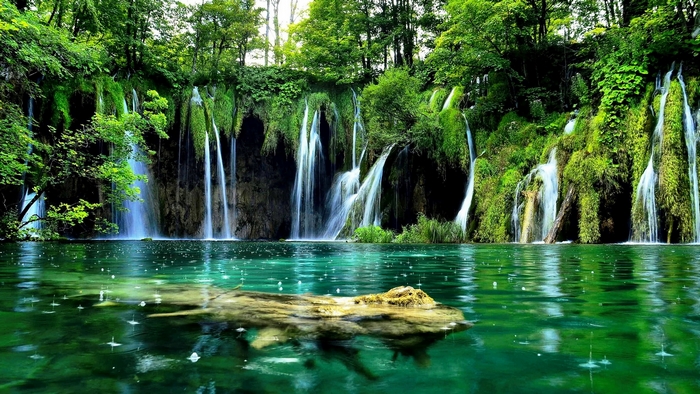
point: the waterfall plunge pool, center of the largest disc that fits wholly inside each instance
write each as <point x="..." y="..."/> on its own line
<point x="548" y="318"/>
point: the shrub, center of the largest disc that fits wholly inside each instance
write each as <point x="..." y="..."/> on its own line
<point x="372" y="235"/>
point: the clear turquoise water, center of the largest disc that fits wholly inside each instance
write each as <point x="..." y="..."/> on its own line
<point x="546" y="318"/>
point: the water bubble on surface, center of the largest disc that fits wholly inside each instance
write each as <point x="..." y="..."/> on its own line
<point x="194" y="357"/>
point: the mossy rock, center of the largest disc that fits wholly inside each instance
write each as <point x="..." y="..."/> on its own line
<point x="400" y="296"/>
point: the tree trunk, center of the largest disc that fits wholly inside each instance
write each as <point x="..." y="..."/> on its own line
<point x="561" y="216"/>
<point x="267" y="32"/>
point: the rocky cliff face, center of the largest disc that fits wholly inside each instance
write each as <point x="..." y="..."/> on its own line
<point x="263" y="186"/>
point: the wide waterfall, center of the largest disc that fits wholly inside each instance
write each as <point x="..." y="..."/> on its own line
<point x="645" y="217"/>
<point x="546" y="198"/>
<point x="309" y="155"/>
<point x="226" y="233"/>
<point x="691" y="142"/>
<point x="139" y="219"/>
<point x="463" y="214"/>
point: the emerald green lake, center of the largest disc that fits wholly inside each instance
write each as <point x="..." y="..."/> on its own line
<point x="548" y="318"/>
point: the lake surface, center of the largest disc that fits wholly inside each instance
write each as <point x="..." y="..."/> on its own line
<point x="548" y="318"/>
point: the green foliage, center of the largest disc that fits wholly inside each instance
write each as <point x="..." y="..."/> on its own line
<point x="372" y="235"/>
<point x="15" y="139"/>
<point x="61" y="107"/>
<point x="431" y="231"/>
<point x="391" y="107"/>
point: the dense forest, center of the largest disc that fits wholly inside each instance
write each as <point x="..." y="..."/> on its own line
<point x="378" y="120"/>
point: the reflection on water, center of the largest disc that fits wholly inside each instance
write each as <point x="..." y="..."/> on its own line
<point x="541" y="312"/>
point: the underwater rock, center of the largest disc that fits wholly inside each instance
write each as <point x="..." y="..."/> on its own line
<point x="400" y="313"/>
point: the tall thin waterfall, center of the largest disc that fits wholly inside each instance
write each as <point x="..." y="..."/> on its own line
<point x="139" y="220"/>
<point x="345" y="186"/>
<point x="226" y="233"/>
<point x="39" y="206"/>
<point x="691" y="142"/>
<point x="645" y="228"/>
<point x="547" y="197"/>
<point x="208" y="225"/>
<point x="308" y="156"/>
<point x="463" y="214"/>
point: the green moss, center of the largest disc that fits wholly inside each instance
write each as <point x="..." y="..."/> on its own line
<point x="589" y="221"/>
<point x="61" y="107"/>
<point x="113" y="97"/>
<point x="198" y="128"/>
<point x="436" y="100"/>
<point x="673" y="192"/>
<point x="223" y="110"/>
<point x="454" y="142"/>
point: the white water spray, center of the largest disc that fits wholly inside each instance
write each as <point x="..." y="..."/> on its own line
<point x="646" y="228"/>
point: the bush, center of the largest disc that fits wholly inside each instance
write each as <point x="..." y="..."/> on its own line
<point x="372" y="235"/>
<point x="431" y="231"/>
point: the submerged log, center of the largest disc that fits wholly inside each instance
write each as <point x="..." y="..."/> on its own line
<point x="399" y="314"/>
<point x="561" y="216"/>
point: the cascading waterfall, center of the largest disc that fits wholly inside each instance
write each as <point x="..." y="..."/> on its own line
<point x="646" y="228"/>
<point x="309" y="155"/>
<point x="345" y="186"/>
<point x="367" y="202"/>
<point x="226" y="233"/>
<point x="691" y="142"/>
<point x="463" y="214"/>
<point x="139" y="220"/>
<point x="547" y="197"/>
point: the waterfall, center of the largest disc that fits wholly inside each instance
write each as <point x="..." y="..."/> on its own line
<point x="463" y="214"/>
<point x="308" y="155"/>
<point x="208" y="226"/>
<point x="549" y="192"/>
<point x="345" y="186"/>
<point x="691" y="142"/>
<point x="448" y="101"/>
<point x="232" y="183"/>
<point x="226" y="233"/>
<point x="369" y="194"/>
<point x="139" y="219"/>
<point x="646" y="228"/>
<point x="547" y="197"/>
<point x="569" y="128"/>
